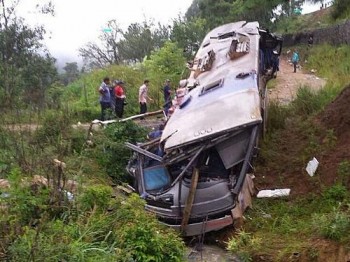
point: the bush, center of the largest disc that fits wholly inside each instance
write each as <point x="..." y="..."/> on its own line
<point x="95" y="197"/>
<point x="111" y="151"/>
<point x="306" y="102"/>
<point x="126" y="234"/>
<point x="344" y="172"/>
<point x="244" y="244"/>
<point x="277" y="115"/>
<point x="336" y="193"/>
<point x="142" y="236"/>
<point x="56" y="241"/>
<point x="334" y="225"/>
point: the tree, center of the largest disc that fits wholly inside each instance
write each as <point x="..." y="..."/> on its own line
<point x="71" y="73"/>
<point x="341" y="8"/>
<point x="189" y="34"/>
<point x="216" y="12"/>
<point x="21" y="53"/>
<point x="131" y="46"/>
<point x="106" y="51"/>
<point x="166" y="63"/>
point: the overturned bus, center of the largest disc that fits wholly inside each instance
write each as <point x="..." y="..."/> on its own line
<point x="192" y="176"/>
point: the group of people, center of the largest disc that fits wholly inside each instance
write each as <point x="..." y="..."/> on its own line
<point x="112" y="97"/>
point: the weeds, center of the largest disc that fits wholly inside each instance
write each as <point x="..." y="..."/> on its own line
<point x="344" y="172"/>
<point x="333" y="225"/>
<point x="243" y="244"/>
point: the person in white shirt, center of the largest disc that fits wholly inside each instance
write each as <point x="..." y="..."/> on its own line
<point x="143" y="97"/>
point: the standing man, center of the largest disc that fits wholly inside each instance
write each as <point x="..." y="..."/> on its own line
<point x="143" y="97"/>
<point x="167" y="96"/>
<point x="275" y="63"/>
<point x="105" y="97"/>
<point x="119" y="98"/>
<point x="295" y="60"/>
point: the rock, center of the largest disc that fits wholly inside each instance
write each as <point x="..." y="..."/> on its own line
<point x="4" y="183"/>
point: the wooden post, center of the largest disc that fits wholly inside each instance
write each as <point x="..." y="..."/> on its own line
<point x="189" y="200"/>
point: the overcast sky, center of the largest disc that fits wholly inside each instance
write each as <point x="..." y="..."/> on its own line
<point x="76" y="22"/>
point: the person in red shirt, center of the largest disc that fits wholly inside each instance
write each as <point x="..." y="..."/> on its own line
<point x="119" y="98"/>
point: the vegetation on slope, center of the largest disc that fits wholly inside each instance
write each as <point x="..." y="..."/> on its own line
<point x="55" y="211"/>
<point x="317" y="214"/>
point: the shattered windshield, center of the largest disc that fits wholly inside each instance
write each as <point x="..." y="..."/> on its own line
<point x="156" y="178"/>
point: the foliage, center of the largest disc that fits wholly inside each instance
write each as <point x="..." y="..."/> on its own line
<point x="111" y="152"/>
<point x="26" y="69"/>
<point x="24" y="203"/>
<point x="344" y="172"/>
<point x="225" y="11"/>
<point x="81" y="96"/>
<point x="95" y="197"/>
<point x="277" y="115"/>
<point x="71" y="73"/>
<point x="291" y="224"/>
<point x="295" y="24"/>
<point x="142" y="236"/>
<point x="166" y="63"/>
<point x="306" y="102"/>
<point x="335" y="193"/>
<point x="125" y="234"/>
<point x="341" y="9"/>
<point x="54" y="96"/>
<point x="333" y="225"/>
<point x="241" y="243"/>
<point x="188" y="34"/>
<point x="39" y="222"/>
<point x="336" y="58"/>
<point x="117" y="46"/>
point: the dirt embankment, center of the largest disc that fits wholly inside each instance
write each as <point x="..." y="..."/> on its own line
<point x="331" y="124"/>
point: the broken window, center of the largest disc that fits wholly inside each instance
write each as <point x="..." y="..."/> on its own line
<point x="239" y="47"/>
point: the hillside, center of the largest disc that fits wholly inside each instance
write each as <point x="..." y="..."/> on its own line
<point x="307" y="22"/>
<point x="308" y="117"/>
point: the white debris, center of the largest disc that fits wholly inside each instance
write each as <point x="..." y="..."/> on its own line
<point x="69" y="195"/>
<point x="96" y="121"/>
<point x="312" y="166"/>
<point x="273" y="193"/>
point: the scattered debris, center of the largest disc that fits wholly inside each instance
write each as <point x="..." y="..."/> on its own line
<point x="4" y="183"/>
<point x="312" y="166"/>
<point x="273" y="193"/>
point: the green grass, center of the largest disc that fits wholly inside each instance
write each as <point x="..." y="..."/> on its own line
<point x="290" y="227"/>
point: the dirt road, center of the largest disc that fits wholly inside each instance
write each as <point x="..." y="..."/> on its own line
<point x="287" y="82"/>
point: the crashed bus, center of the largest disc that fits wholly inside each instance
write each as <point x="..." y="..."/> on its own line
<point x="192" y="177"/>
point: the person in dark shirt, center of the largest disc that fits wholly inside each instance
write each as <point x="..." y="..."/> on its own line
<point x="105" y="97"/>
<point x="167" y="96"/>
<point x="275" y="63"/>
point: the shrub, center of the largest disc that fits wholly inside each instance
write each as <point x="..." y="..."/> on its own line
<point x="336" y="193"/>
<point x="95" y="197"/>
<point x="344" y="172"/>
<point x="277" y="115"/>
<point x="56" y="241"/>
<point x="111" y="151"/>
<point x="334" y="225"/>
<point x="306" y="102"/>
<point x="244" y="245"/>
<point x="143" y="236"/>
